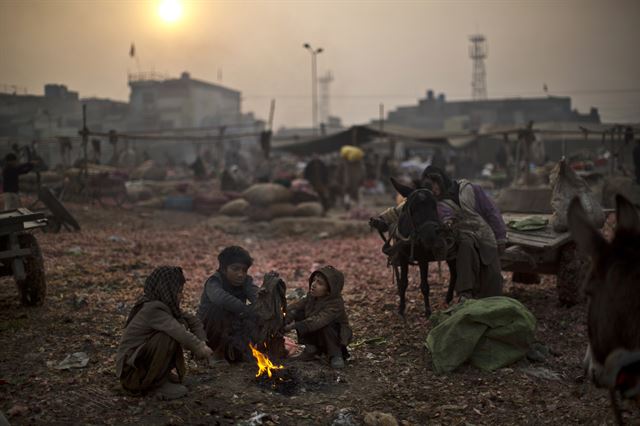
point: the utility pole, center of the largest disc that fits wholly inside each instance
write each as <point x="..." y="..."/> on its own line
<point x="314" y="85"/>
<point x="85" y="141"/>
<point x="478" y="52"/>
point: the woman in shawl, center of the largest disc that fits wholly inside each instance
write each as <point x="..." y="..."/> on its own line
<point x="155" y="333"/>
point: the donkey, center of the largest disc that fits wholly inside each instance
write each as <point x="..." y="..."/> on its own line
<point x="421" y="238"/>
<point x="613" y="289"/>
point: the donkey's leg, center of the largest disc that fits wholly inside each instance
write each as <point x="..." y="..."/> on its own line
<point x="452" y="280"/>
<point x="424" y="285"/>
<point x="403" y="283"/>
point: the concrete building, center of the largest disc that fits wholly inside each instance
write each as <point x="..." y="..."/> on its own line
<point x="156" y="104"/>
<point x="104" y="115"/>
<point x="160" y="103"/>
<point x="436" y="113"/>
<point x="56" y="112"/>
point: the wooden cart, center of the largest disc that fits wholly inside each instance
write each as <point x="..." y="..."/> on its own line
<point x="545" y="251"/>
<point x="20" y="253"/>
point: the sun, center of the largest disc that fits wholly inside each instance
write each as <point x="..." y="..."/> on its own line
<point x="170" y="10"/>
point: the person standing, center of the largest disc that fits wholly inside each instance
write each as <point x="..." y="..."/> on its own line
<point x="11" y="178"/>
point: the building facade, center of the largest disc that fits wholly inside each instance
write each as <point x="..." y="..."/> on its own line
<point x="158" y="104"/>
<point x="436" y="113"/>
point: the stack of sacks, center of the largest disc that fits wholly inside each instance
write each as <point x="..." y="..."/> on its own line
<point x="139" y="191"/>
<point x="210" y="203"/>
<point x="302" y="191"/>
<point x="92" y="170"/>
<point x="48" y="178"/>
<point x="267" y="201"/>
<point x="149" y="170"/>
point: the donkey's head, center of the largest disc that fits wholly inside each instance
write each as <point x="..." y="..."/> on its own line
<point x="419" y="218"/>
<point x="613" y="286"/>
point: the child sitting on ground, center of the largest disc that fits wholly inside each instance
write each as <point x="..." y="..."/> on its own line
<point x="320" y="318"/>
<point x="224" y="300"/>
<point x="154" y="335"/>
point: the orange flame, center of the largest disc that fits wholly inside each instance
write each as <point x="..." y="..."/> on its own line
<point x="264" y="364"/>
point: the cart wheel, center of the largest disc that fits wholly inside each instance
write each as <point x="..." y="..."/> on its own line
<point x="34" y="287"/>
<point x="53" y="225"/>
<point x="573" y="268"/>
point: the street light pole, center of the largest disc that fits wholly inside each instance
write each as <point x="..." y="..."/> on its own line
<point x="314" y="84"/>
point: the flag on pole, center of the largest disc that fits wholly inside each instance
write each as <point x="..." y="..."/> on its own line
<point x="132" y="50"/>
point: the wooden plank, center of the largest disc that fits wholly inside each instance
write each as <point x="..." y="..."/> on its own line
<point x="15" y="253"/>
<point x="542" y="241"/>
<point x="19" y="216"/>
<point x="532" y="235"/>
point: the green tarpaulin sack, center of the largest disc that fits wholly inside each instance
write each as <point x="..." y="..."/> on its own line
<point x="529" y="223"/>
<point x="490" y="333"/>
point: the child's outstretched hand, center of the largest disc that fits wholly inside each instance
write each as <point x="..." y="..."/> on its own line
<point x="204" y="352"/>
<point x="270" y="275"/>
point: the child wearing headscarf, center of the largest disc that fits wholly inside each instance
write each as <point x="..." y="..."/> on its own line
<point x="224" y="299"/>
<point x="155" y="334"/>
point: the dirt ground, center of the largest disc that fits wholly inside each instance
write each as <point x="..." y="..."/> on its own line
<point x="95" y="275"/>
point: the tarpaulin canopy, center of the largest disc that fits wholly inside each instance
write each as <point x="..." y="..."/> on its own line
<point x="364" y="134"/>
<point x="561" y="130"/>
<point x="360" y="136"/>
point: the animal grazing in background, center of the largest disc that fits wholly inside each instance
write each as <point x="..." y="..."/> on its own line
<point x="317" y="173"/>
<point x="420" y="237"/>
<point x="613" y="289"/>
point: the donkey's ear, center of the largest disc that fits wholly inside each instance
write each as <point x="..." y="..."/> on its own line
<point x="583" y="232"/>
<point x="403" y="190"/>
<point x="626" y="214"/>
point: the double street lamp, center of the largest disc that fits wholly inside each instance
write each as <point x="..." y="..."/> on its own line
<point x="314" y="84"/>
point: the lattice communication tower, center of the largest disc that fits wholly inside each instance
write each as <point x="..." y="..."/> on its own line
<point x="478" y="52"/>
<point x="324" y="82"/>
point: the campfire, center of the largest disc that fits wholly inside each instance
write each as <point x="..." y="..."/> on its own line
<point x="273" y="377"/>
<point x="264" y="363"/>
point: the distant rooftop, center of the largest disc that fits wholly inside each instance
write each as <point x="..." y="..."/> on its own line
<point x="163" y="79"/>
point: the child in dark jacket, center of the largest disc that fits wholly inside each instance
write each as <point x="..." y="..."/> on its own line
<point x="320" y="318"/>
<point x="154" y="335"/>
<point x="224" y="299"/>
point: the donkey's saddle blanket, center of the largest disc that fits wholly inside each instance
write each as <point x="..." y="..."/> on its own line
<point x="490" y="333"/>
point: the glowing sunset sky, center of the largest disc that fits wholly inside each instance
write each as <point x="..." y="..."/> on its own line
<point x="389" y="52"/>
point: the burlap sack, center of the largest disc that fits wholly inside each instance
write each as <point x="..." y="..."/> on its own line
<point x="264" y="194"/>
<point x="236" y="207"/>
<point x="282" y="210"/>
<point x="274" y="211"/>
<point x="565" y="185"/>
<point x="311" y="209"/>
<point x="149" y="170"/>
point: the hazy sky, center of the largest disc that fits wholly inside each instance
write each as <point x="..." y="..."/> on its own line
<point x="379" y="52"/>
